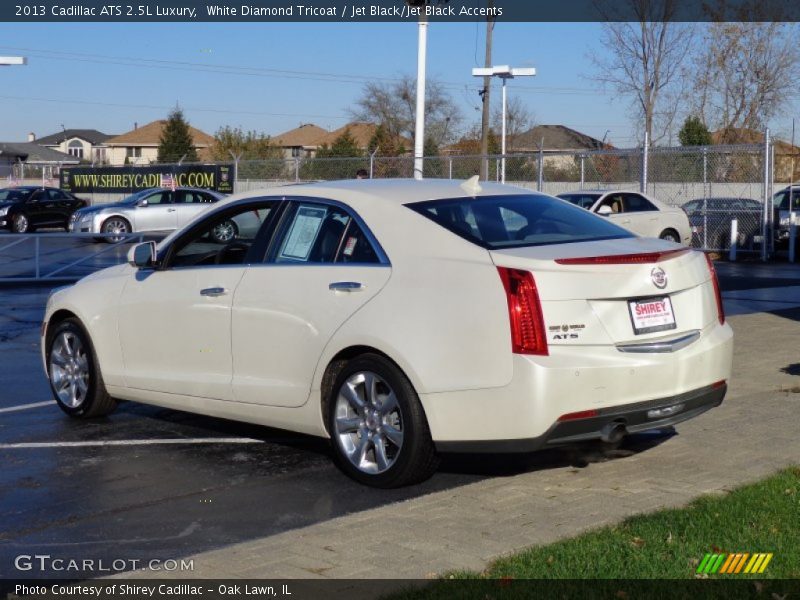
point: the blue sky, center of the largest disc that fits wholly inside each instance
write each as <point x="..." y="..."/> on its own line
<point x="96" y="90"/>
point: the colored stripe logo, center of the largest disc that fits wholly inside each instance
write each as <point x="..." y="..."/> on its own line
<point x="734" y="564"/>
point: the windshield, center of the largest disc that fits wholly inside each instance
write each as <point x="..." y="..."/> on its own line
<point x="514" y="221"/>
<point x="13" y="195"/>
<point x="583" y="200"/>
<point x="781" y="200"/>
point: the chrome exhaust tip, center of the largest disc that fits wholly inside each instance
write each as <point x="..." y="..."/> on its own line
<point x="613" y="432"/>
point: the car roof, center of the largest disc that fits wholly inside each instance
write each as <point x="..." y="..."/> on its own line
<point x="398" y="192"/>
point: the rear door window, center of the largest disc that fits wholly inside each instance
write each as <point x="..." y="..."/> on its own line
<point x="514" y="221"/>
<point x="316" y="233"/>
<point x="637" y="203"/>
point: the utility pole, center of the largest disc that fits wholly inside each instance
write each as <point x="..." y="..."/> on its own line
<point x="487" y="82"/>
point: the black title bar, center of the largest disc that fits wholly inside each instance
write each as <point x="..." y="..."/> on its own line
<point x="356" y="11"/>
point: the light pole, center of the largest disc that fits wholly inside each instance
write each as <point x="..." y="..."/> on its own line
<point x="504" y="72"/>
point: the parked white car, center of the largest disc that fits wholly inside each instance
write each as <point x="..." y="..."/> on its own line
<point x="401" y="319"/>
<point x="636" y="212"/>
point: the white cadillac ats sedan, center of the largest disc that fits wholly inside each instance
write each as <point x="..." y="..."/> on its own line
<point x="400" y="319"/>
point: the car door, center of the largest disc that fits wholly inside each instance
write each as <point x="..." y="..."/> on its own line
<point x="174" y="322"/>
<point x="614" y="201"/>
<point x="63" y="206"/>
<point x="160" y="213"/>
<point x="322" y="267"/>
<point x="191" y="203"/>
<point x="38" y="208"/>
<point x="643" y="216"/>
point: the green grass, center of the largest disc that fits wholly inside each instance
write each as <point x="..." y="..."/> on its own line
<point x="763" y="517"/>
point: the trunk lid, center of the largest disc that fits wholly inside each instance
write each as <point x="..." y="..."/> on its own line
<point x="600" y="304"/>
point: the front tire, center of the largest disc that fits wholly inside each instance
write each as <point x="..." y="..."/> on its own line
<point x="115" y="225"/>
<point x="75" y="378"/>
<point x="379" y="432"/>
<point x="20" y="224"/>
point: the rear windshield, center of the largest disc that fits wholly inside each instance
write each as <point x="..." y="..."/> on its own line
<point x="13" y="195"/>
<point x="583" y="200"/>
<point x="514" y="221"/>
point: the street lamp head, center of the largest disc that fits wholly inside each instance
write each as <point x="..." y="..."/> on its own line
<point x="503" y="72"/>
<point x="7" y="61"/>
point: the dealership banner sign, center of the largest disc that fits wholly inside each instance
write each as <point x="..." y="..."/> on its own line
<point x="131" y="179"/>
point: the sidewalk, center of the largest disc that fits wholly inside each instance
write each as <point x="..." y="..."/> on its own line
<point x="749" y="437"/>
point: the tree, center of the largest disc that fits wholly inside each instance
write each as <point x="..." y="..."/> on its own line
<point x="645" y="61"/>
<point x="741" y="75"/>
<point x="384" y="143"/>
<point x="344" y="146"/>
<point x="393" y="105"/>
<point x="694" y="132"/>
<point x="248" y="145"/>
<point x="347" y="157"/>
<point x="176" y="141"/>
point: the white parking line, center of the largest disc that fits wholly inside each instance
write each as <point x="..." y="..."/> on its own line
<point x="26" y="406"/>
<point x="130" y="443"/>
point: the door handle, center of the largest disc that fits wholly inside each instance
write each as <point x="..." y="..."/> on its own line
<point x="346" y="286"/>
<point x="171" y="209"/>
<point x="213" y="292"/>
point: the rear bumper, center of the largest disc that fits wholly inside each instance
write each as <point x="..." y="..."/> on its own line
<point x="630" y="418"/>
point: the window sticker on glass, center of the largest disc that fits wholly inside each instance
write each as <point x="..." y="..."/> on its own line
<point x="350" y="246"/>
<point x="303" y="234"/>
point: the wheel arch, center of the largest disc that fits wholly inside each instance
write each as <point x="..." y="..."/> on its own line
<point x="106" y="218"/>
<point x="336" y="363"/>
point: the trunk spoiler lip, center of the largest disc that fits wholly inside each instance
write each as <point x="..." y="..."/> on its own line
<point x="639" y="258"/>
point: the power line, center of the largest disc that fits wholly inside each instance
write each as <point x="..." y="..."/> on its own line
<point x="187" y="108"/>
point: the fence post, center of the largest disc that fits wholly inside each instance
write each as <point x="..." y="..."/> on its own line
<point x="236" y="158"/>
<point x="296" y="170"/>
<point x="706" y="194"/>
<point x="583" y="170"/>
<point x="734" y="239"/>
<point x="645" y="156"/>
<point x="36" y="255"/>
<point x="765" y="229"/>
<point x="450" y="167"/>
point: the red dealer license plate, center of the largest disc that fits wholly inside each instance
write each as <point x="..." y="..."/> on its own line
<point x="653" y="314"/>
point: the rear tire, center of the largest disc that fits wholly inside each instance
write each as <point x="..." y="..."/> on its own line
<point x="74" y="374"/>
<point x="670" y="235"/>
<point x="379" y="432"/>
<point x="224" y="232"/>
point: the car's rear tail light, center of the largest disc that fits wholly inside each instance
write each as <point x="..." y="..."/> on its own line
<point x="717" y="295"/>
<point x="524" y="312"/>
<point x="624" y="259"/>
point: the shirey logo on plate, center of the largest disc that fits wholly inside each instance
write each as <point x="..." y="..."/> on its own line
<point x="740" y="563"/>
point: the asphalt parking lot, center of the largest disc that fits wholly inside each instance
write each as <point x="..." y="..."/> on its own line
<point x="148" y="483"/>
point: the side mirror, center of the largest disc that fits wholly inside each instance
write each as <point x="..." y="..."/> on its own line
<point x="605" y="210"/>
<point x="142" y="255"/>
<point x="142" y="202"/>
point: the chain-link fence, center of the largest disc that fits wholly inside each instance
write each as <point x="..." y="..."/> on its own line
<point x="713" y="184"/>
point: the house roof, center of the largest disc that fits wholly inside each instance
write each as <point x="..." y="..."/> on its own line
<point x="307" y="135"/>
<point x="556" y="137"/>
<point x="31" y="152"/>
<point x="361" y="132"/>
<point x="90" y="135"/>
<point x="150" y="135"/>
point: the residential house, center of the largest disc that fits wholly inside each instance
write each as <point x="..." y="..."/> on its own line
<point x="17" y="158"/>
<point x="140" y="145"/>
<point x="787" y="156"/>
<point x="304" y="141"/>
<point x="84" y="144"/>
<point x="301" y="142"/>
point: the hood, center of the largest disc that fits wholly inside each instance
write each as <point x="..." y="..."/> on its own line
<point x="99" y="207"/>
<point x="7" y="204"/>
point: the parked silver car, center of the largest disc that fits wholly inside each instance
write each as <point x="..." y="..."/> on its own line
<point x="154" y="210"/>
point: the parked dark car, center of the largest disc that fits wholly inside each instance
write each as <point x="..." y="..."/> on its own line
<point x="785" y="202"/>
<point x="710" y="219"/>
<point x="24" y="208"/>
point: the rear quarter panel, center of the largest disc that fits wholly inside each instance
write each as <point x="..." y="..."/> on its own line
<point x="442" y="316"/>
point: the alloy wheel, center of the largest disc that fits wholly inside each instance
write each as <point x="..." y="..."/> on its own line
<point x="368" y="422"/>
<point x="69" y="369"/>
<point x="21" y="224"/>
<point x="223" y="232"/>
